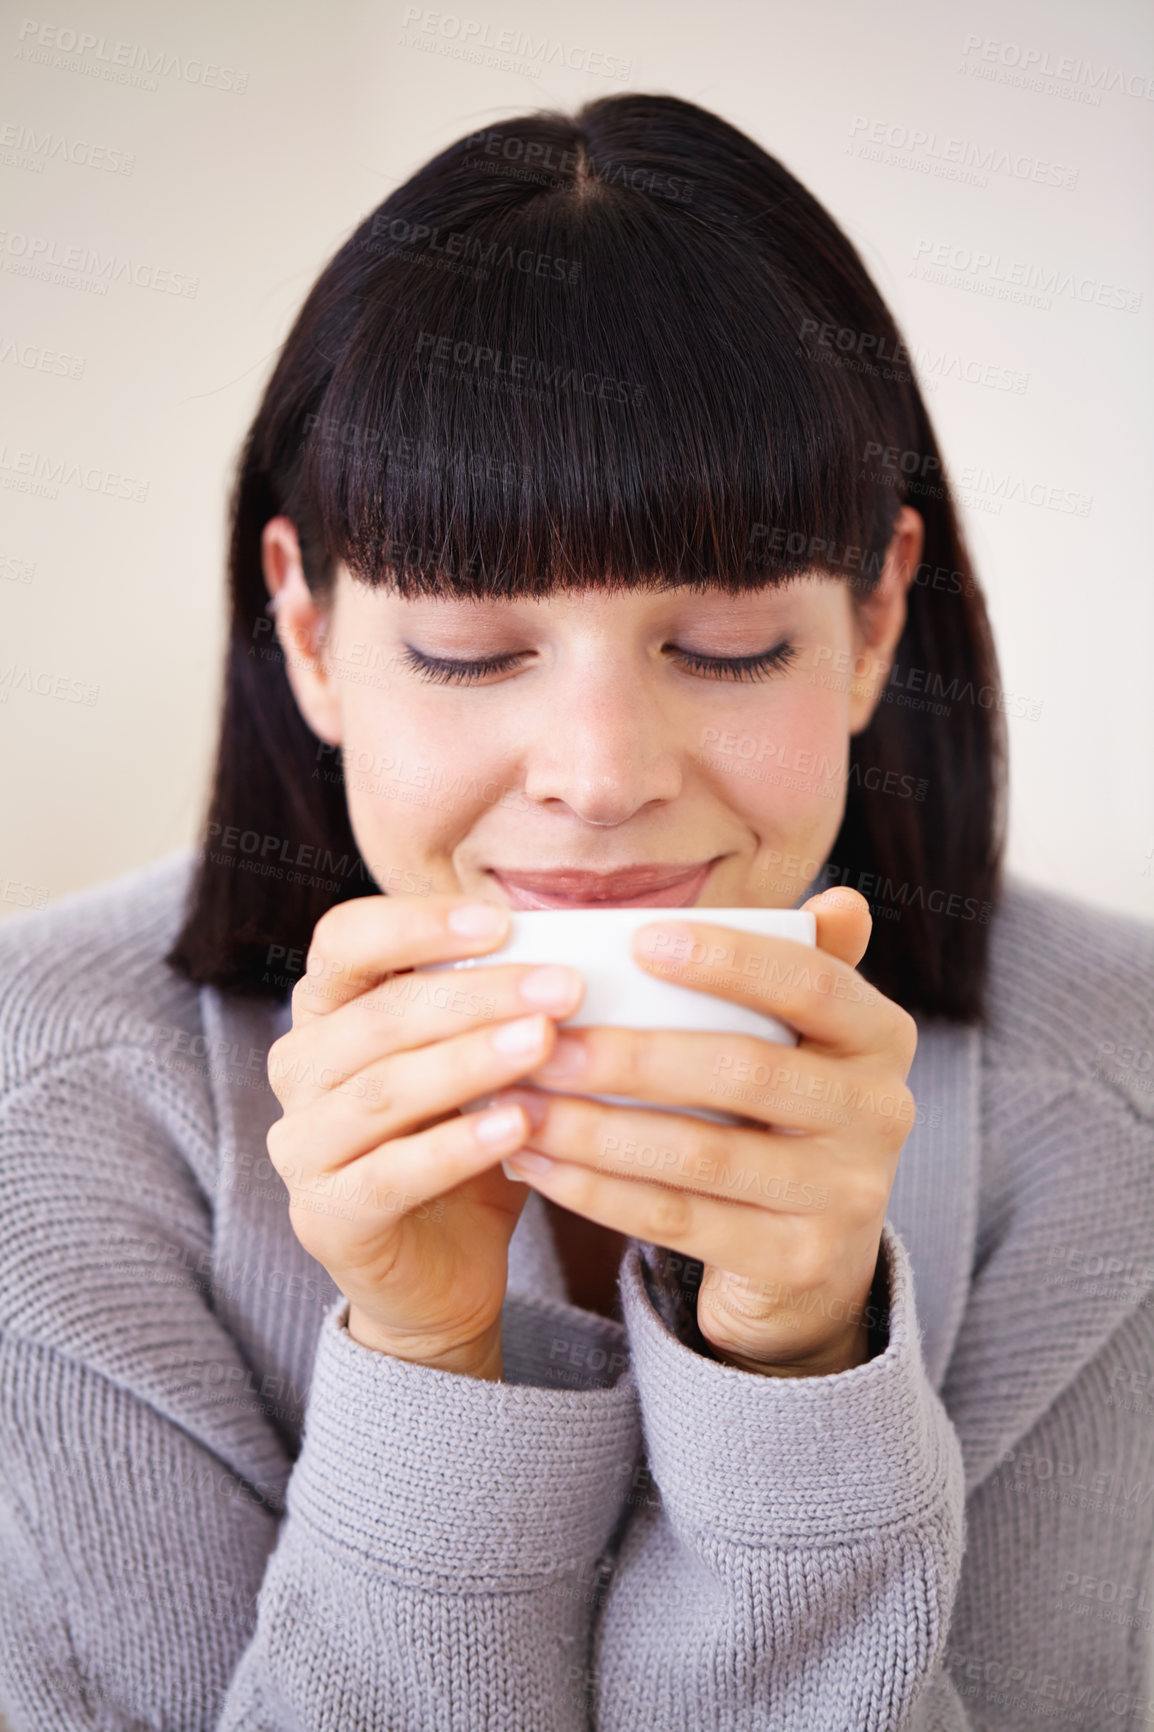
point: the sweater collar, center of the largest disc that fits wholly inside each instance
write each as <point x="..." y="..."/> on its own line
<point x="934" y="1201"/>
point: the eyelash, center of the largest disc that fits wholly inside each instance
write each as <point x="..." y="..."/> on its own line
<point x="744" y="668"/>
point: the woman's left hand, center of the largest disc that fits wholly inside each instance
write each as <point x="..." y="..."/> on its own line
<point x="785" y="1211"/>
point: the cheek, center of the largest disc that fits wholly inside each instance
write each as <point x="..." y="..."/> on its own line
<point x="783" y="763"/>
<point x="412" y="771"/>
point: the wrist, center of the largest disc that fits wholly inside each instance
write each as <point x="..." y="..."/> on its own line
<point x="850" y="1349"/>
<point x="865" y="1336"/>
<point x="482" y="1357"/>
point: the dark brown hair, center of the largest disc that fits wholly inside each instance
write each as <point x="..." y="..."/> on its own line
<point x="624" y="347"/>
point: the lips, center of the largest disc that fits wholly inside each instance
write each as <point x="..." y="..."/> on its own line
<point x="653" y="886"/>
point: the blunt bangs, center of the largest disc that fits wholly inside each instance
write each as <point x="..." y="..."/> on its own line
<point x="541" y="388"/>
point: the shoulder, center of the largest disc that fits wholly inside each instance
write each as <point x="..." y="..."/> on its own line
<point x="109" y="1156"/>
<point x="1071" y="993"/>
<point x="87" y="973"/>
<point x="107" y="1137"/>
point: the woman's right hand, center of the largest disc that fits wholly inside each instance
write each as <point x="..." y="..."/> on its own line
<point x="399" y="1195"/>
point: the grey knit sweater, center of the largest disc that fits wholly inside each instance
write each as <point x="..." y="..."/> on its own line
<point x="219" y="1511"/>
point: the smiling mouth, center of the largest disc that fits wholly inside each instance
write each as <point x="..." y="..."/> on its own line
<point x="652" y="886"/>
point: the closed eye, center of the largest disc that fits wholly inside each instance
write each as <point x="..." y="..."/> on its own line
<point x="756" y="667"/>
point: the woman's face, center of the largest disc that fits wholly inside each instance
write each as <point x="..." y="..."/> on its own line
<point x="607" y="737"/>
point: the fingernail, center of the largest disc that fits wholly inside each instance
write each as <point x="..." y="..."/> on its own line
<point x="523" y="1036"/>
<point x="534" y="1105"/>
<point x="552" y="988"/>
<point x="477" y="920"/>
<point x="566" y="1059"/>
<point x="498" y="1126"/>
<point x="528" y="1161"/>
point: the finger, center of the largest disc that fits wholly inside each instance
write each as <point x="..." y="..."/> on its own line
<point x="844" y="922"/>
<point x="738" y="1238"/>
<point x="357" y="944"/>
<point x="401" y="1174"/>
<point x="756" y="1079"/>
<point x="407" y="1011"/>
<point x="403" y="1092"/>
<point x="823" y="998"/>
<point x="728" y="1163"/>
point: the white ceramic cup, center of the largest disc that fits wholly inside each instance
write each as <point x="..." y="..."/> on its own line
<point x="618" y="991"/>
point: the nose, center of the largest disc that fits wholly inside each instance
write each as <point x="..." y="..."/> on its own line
<point x="606" y="748"/>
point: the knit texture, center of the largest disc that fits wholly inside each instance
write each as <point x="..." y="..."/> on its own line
<point x="219" y="1512"/>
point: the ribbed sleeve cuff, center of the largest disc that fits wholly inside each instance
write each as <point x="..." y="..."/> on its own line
<point x="453" y="1481"/>
<point x="808" y="1458"/>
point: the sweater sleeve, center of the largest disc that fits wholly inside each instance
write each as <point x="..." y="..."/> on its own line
<point x="430" y="1560"/>
<point x="802" y="1536"/>
<point x="441" y="1555"/>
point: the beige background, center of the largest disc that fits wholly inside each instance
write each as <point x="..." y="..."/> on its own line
<point x="118" y="601"/>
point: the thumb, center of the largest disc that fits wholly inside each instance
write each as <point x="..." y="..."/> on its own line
<point x="844" y="922"/>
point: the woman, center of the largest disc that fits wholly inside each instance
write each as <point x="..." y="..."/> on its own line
<point x="591" y="541"/>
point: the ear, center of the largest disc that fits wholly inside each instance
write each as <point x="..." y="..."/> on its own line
<point x="301" y="629"/>
<point x="879" y="619"/>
